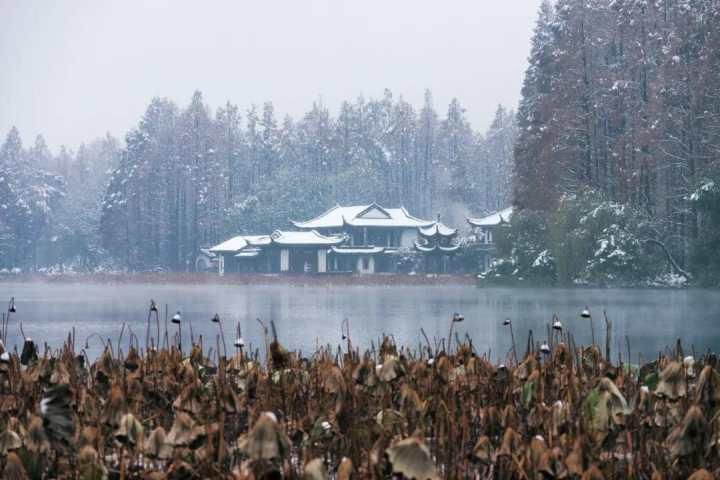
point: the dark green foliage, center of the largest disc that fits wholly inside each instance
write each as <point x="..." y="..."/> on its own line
<point x="587" y="240"/>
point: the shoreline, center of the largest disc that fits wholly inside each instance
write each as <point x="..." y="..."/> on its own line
<point x="298" y="280"/>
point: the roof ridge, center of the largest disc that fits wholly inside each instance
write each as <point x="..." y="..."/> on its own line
<point x="317" y="217"/>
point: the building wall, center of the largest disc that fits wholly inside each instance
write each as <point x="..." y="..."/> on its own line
<point x="408" y="237"/>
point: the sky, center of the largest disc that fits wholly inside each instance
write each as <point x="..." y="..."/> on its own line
<point x="74" y="70"/>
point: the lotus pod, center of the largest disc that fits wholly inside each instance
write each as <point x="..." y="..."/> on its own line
<point x="671" y="384"/>
<point x="411" y="458"/>
<point x="315" y="470"/>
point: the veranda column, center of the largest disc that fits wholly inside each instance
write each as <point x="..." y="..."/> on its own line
<point x="284" y="260"/>
<point x="321" y="260"/>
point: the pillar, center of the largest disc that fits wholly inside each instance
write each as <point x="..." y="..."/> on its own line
<point x="284" y="260"/>
<point x="321" y="260"/>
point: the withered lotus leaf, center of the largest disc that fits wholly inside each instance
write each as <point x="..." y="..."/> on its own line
<point x="411" y="459"/>
<point x="701" y="474"/>
<point x="689" y="436"/>
<point x="9" y="441"/>
<point x="390" y="369"/>
<point x="156" y="445"/>
<point x="671" y="384"/>
<point x="345" y="469"/>
<point x="14" y="469"/>
<point x="266" y="440"/>
<point x="334" y="382"/>
<point x="130" y="432"/>
<point x="483" y="450"/>
<point x="511" y="442"/>
<point x="707" y="391"/>
<point x="593" y="473"/>
<point x="90" y="466"/>
<point x="185" y="432"/>
<point x="315" y="470"/>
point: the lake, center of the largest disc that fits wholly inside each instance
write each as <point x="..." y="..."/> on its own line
<point x="308" y="316"/>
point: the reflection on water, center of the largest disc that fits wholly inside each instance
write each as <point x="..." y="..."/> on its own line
<point x="308" y="316"/>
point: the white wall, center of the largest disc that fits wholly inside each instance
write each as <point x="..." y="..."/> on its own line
<point x="408" y="237"/>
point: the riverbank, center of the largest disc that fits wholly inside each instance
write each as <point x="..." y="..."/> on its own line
<point x="243" y="279"/>
<point x="553" y="410"/>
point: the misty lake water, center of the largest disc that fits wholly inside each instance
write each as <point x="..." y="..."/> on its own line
<point x="308" y="316"/>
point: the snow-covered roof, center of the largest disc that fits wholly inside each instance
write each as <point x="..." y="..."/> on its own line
<point x="233" y="245"/>
<point x="311" y="237"/>
<point x="358" y="250"/>
<point x="371" y="215"/>
<point x="258" y="240"/>
<point x="437" y="228"/>
<point x="496" y="218"/>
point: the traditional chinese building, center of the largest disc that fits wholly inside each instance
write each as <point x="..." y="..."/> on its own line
<point x="354" y="239"/>
<point x="484" y="230"/>
<point x="374" y="236"/>
<point x="437" y="243"/>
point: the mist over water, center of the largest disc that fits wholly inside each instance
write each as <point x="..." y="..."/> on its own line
<point x="309" y="316"/>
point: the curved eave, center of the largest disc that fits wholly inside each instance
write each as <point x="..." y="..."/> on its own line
<point x="436" y="248"/>
<point x="437" y="233"/>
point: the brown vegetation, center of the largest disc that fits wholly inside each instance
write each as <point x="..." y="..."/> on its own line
<point x="387" y="412"/>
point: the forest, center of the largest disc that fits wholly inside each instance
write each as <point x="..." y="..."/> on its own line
<point x="186" y="178"/>
<point x="616" y="159"/>
<point x="611" y="161"/>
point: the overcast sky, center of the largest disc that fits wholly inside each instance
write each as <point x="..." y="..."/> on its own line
<point x="73" y="70"/>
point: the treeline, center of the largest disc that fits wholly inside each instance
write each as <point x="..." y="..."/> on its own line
<point x="190" y="177"/>
<point x="50" y="203"/>
<point x="622" y="98"/>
